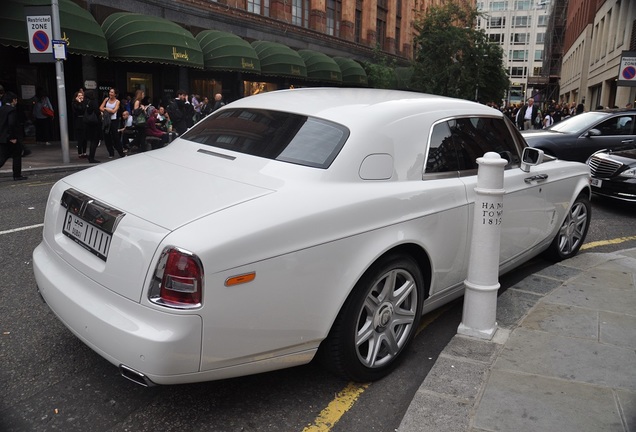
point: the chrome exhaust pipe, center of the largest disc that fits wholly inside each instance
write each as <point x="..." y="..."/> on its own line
<point x="135" y="376"/>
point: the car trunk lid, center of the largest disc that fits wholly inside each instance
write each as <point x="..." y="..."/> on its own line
<point x="110" y="231"/>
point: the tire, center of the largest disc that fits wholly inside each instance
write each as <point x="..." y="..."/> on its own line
<point x="572" y="233"/>
<point x="377" y="322"/>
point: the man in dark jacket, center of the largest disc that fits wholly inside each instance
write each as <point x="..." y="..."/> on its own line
<point x="218" y="102"/>
<point x="527" y="119"/>
<point x="177" y="112"/>
<point x="10" y="146"/>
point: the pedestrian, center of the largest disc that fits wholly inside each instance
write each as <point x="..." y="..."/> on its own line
<point x="527" y="115"/>
<point x="218" y="102"/>
<point x="43" y="114"/>
<point x="127" y="132"/>
<point x="151" y="126"/>
<point x="79" y="106"/>
<point x="10" y="145"/>
<point x="557" y="116"/>
<point x="196" y="104"/>
<point x="189" y="114"/>
<point x="128" y="104"/>
<point x="110" y="109"/>
<point x="580" y="108"/>
<point x="138" y="114"/>
<point x="206" y="107"/>
<point x="92" y="124"/>
<point x="176" y="111"/>
<point x="548" y="120"/>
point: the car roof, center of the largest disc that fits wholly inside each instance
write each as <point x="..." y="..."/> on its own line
<point x="631" y="111"/>
<point x="348" y="106"/>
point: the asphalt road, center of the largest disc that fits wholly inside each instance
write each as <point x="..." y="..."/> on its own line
<point x="52" y="382"/>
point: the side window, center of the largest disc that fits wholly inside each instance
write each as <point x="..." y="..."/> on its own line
<point x="475" y="136"/>
<point x="619" y="125"/>
<point x="626" y="125"/>
<point x="441" y="151"/>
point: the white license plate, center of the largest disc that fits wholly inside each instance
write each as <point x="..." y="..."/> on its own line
<point x="596" y="182"/>
<point x="94" y="239"/>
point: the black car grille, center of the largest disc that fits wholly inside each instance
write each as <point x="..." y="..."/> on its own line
<point x="602" y="167"/>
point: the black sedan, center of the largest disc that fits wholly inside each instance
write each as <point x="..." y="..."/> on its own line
<point x="614" y="173"/>
<point x="576" y="138"/>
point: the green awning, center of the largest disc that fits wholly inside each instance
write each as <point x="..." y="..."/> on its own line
<point x="142" y="38"/>
<point x="279" y="60"/>
<point x="79" y="29"/>
<point x="228" y="52"/>
<point x="352" y="73"/>
<point x="321" y="67"/>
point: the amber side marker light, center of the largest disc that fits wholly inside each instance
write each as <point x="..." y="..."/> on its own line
<point x="240" y="279"/>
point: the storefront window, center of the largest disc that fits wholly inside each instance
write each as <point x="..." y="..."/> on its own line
<point x="206" y="87"/>
<point x="139" y="81"/>
<point x="254" y="87"/>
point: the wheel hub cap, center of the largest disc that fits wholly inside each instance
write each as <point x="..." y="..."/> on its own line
<point x="383" y="316"/>
<point x="571" y="228"/>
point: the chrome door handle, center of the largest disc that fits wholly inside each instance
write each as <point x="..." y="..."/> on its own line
<point x="538" y="177"/>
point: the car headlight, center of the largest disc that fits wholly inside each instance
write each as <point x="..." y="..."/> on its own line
<point x="630" y="173"/>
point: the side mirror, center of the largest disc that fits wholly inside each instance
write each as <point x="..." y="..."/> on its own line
<point x="531" y="156"/>
<point x="593" y="132"/>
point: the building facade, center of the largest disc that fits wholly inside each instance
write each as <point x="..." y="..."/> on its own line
<point x="519" y="27"/>
<point x="233" y="47"/>
<point x="597" y="33"/>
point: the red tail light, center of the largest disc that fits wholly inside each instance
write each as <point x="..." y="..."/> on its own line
<point x="178" y="280"/>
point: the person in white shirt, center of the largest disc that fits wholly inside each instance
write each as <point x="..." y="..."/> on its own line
<point x="548" y="120"/>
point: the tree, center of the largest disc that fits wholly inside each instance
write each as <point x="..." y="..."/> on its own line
<point x="380" y="72"/>
<point x="454" y="59"/>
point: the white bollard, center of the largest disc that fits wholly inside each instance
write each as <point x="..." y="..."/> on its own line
<point x="482" y="282"/>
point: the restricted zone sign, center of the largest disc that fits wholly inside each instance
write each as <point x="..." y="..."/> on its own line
<point x="40" y="32"/>
<point x="627" y="72"/>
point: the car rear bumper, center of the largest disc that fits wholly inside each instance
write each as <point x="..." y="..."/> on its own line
<point x="155" y="343"/>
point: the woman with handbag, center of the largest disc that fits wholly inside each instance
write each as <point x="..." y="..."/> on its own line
<point x="139" y="120"/>
<point x="110" y="109"/>
<point x="43" y="114"/>
<point x="79" y="106"/>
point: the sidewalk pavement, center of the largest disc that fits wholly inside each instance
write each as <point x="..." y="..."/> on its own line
<point x="45" y="158"/>
<point x="563" y="358"/>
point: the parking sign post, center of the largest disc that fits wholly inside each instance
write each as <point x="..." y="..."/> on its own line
<point x="482" y="282"/>
<point x="61" y="85"/>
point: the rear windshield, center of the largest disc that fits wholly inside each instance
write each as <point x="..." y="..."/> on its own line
<point x="274" y="135"/>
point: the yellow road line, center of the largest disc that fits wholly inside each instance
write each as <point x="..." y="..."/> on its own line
<point x="599" y="243"/>
<point x="345" y="399"/>
<point x="342" y="403"/>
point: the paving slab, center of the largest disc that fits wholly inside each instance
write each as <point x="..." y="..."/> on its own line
<point x="456" y="377"/>
<point x="594" y="296"/>
<point x="627" y="406"/>
<point x="562" y="271"/>
<point x="513" y="305"/>
<point x="574" y="359"/>
<point x="472" y="348"/>
<point x="618" y="329"/>
<point x="517" y="402"/>
<point x="564" y="320"/>
<point x="537" y="284"/>
<point x="430" y="411"/>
